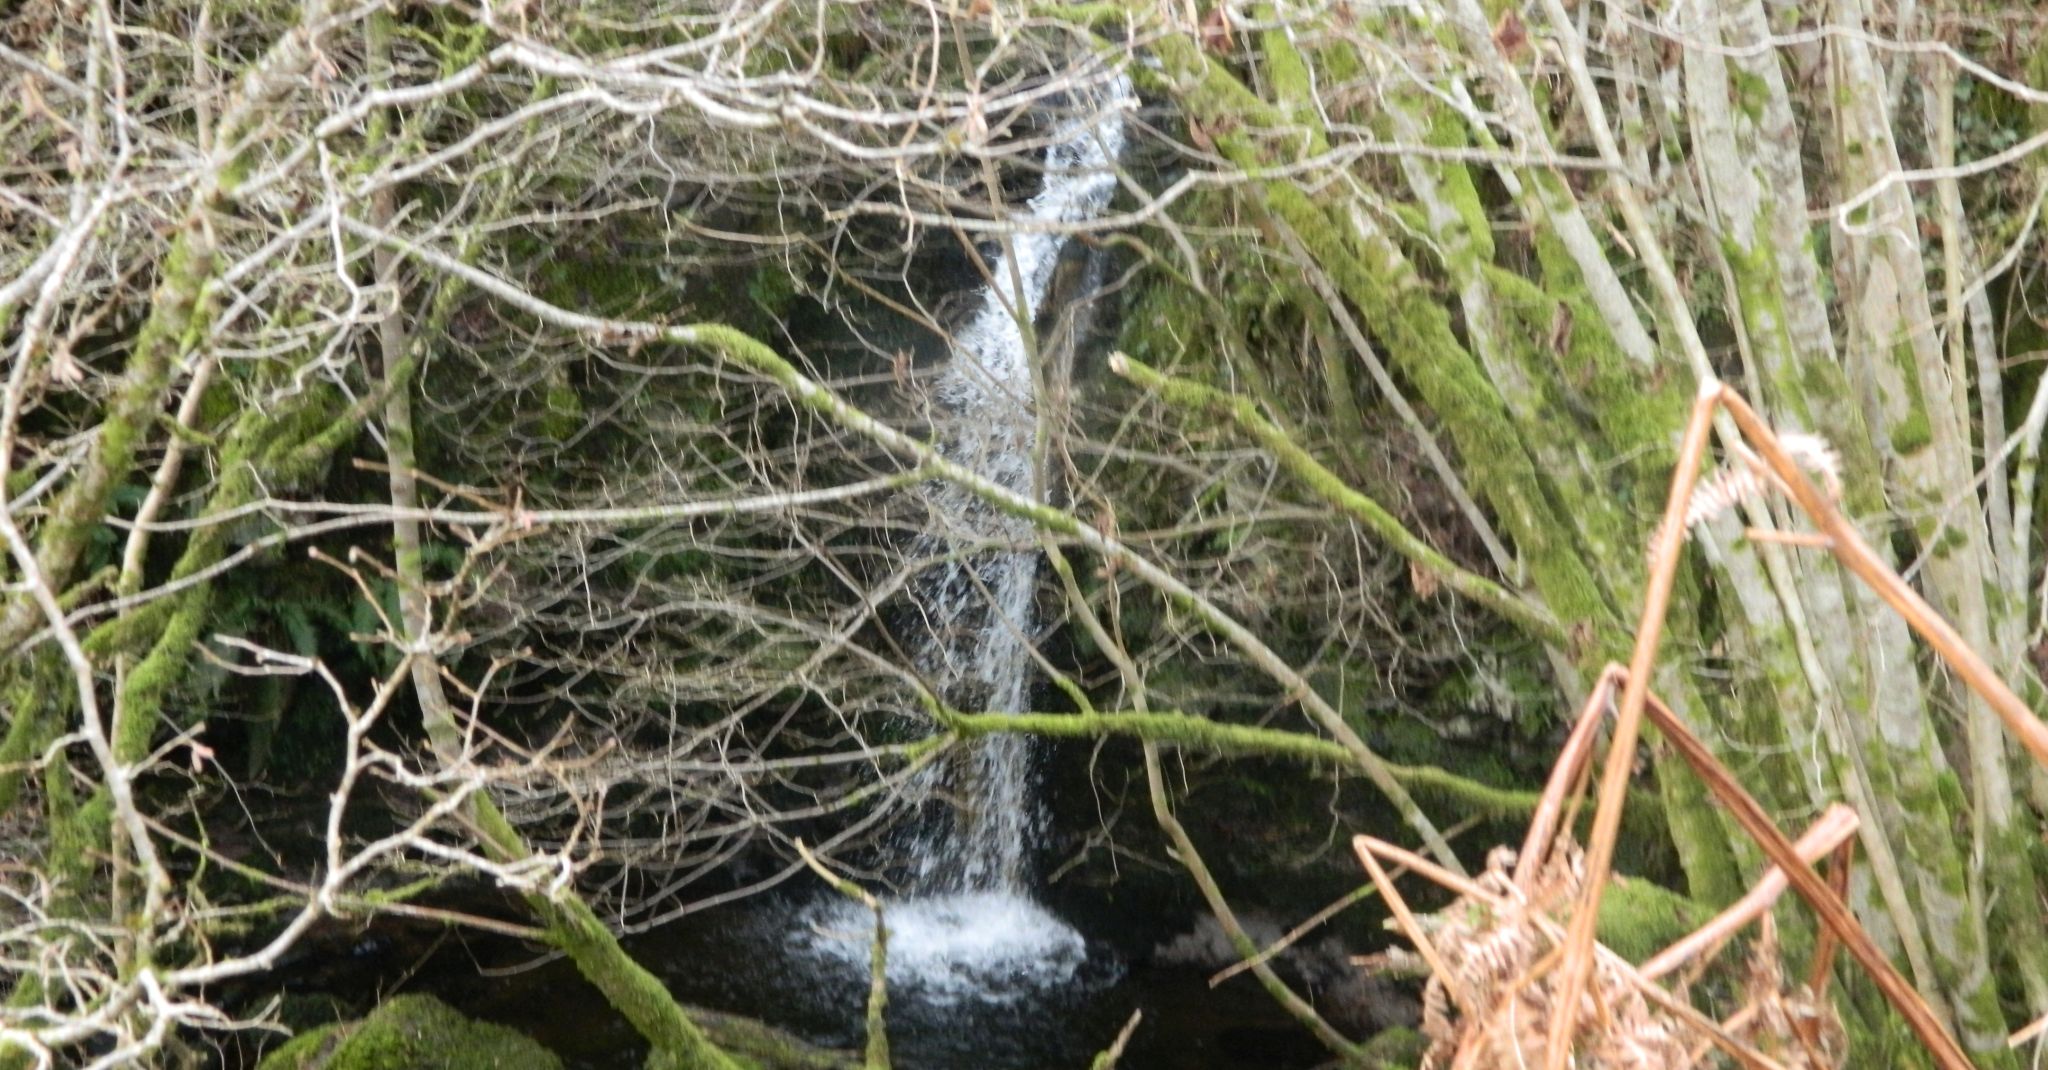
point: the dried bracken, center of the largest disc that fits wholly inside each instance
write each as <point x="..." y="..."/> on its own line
<point x="1492" y="944"/>
<point x="1745" y="479"/>
<point x="1517" y="977"/>
<point x="1790" y="1023"/>
<point x="1491" y="997"/>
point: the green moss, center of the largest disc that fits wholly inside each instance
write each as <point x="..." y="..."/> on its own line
<point x="40" y="695"/>
<point x="639" y="996"/>
<point x="1639" y="919"/>
<point x="306" y="1050"/>
<point x="1699" y="833"/>
<point x="1575" y="376"/>
<point x="24" y="737"/>
<point x="303" y="437"/>
<point x="1188" y="394"/>
<point x="77" y="516"/>
<point x="1752" y="93"/>
<point x="562" y="415"/>
<point x="1950" y="788"/>
<point x="601" y="283"/>
<point x="1455" y="186"/>
<point x="1417" y="329"/>
<point x="1391" y="1049"/>
<point x="1759" y="290"/>
<point x="765" y="1046"/>
<point x="1912" y="434"/>
<point x="70" y="861"/>
<point x="773" y="290"/>
<point x="1288" y="75"/>
<point x="274" y="444"/>
<point x="412" y="1032"/>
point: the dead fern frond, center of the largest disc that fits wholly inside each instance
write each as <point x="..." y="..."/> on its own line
<point x="1745" y="478"/>
<point x="1493" y="997"/>
<point x="1492" y="942"/>
<point x="1788" y="1024"/>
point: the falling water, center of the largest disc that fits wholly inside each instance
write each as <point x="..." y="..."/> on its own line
<point x="976" y="605"/>
<point x="970" y="929"/>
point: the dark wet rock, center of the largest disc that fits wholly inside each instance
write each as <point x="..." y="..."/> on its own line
<point x="1355" y="1001"/>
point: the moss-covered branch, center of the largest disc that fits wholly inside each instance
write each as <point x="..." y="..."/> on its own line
<point x="750" y="353"/>
<point x="1369" y="269"/>
<point x="574" y="929"/>
<point x="1460" y="795"/>
<point x="79" y="511"/>
<point x="571" y="926"/>
<point x="877" y="1053"/>
<point x="177" y="308"/>
<point x="766" y="1047"/>
<point x="1188" y="394"/>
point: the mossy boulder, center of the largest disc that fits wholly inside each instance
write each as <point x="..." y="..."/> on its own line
<point x="765" y="1047"/>
<point x="1392" y="1049"/>
<point x="1639" y="918"/>
<point x="412" y="1032"/>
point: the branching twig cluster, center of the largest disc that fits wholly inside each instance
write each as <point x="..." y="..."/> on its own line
<point x="656" y="603"/>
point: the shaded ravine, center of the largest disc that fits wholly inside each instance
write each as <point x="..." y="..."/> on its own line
<point x="969" y="927"/>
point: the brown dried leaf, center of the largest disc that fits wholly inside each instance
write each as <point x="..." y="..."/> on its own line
<point x="1424" y="580"/>
<point x="1509" y="34"/>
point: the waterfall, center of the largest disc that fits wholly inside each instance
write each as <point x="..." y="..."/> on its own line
<point x="975" y="607"/>
<point x="969" y="929"/>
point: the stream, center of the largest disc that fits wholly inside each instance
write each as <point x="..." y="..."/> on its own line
<point x="756" y="959"/>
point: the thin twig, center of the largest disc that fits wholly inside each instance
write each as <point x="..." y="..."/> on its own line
<point x="1822" y="838"/>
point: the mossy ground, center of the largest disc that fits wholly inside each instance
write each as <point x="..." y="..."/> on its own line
<point x="412" y="1032"/>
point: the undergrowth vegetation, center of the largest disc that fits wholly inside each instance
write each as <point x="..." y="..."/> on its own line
<point x="467" y="463"/>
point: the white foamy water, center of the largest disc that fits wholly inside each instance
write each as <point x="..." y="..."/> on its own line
<point x="948" y="949"/>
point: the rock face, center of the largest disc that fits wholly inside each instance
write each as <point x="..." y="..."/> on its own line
<point x="1356" y="1002"/>
<point x="412" y="1032"/>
